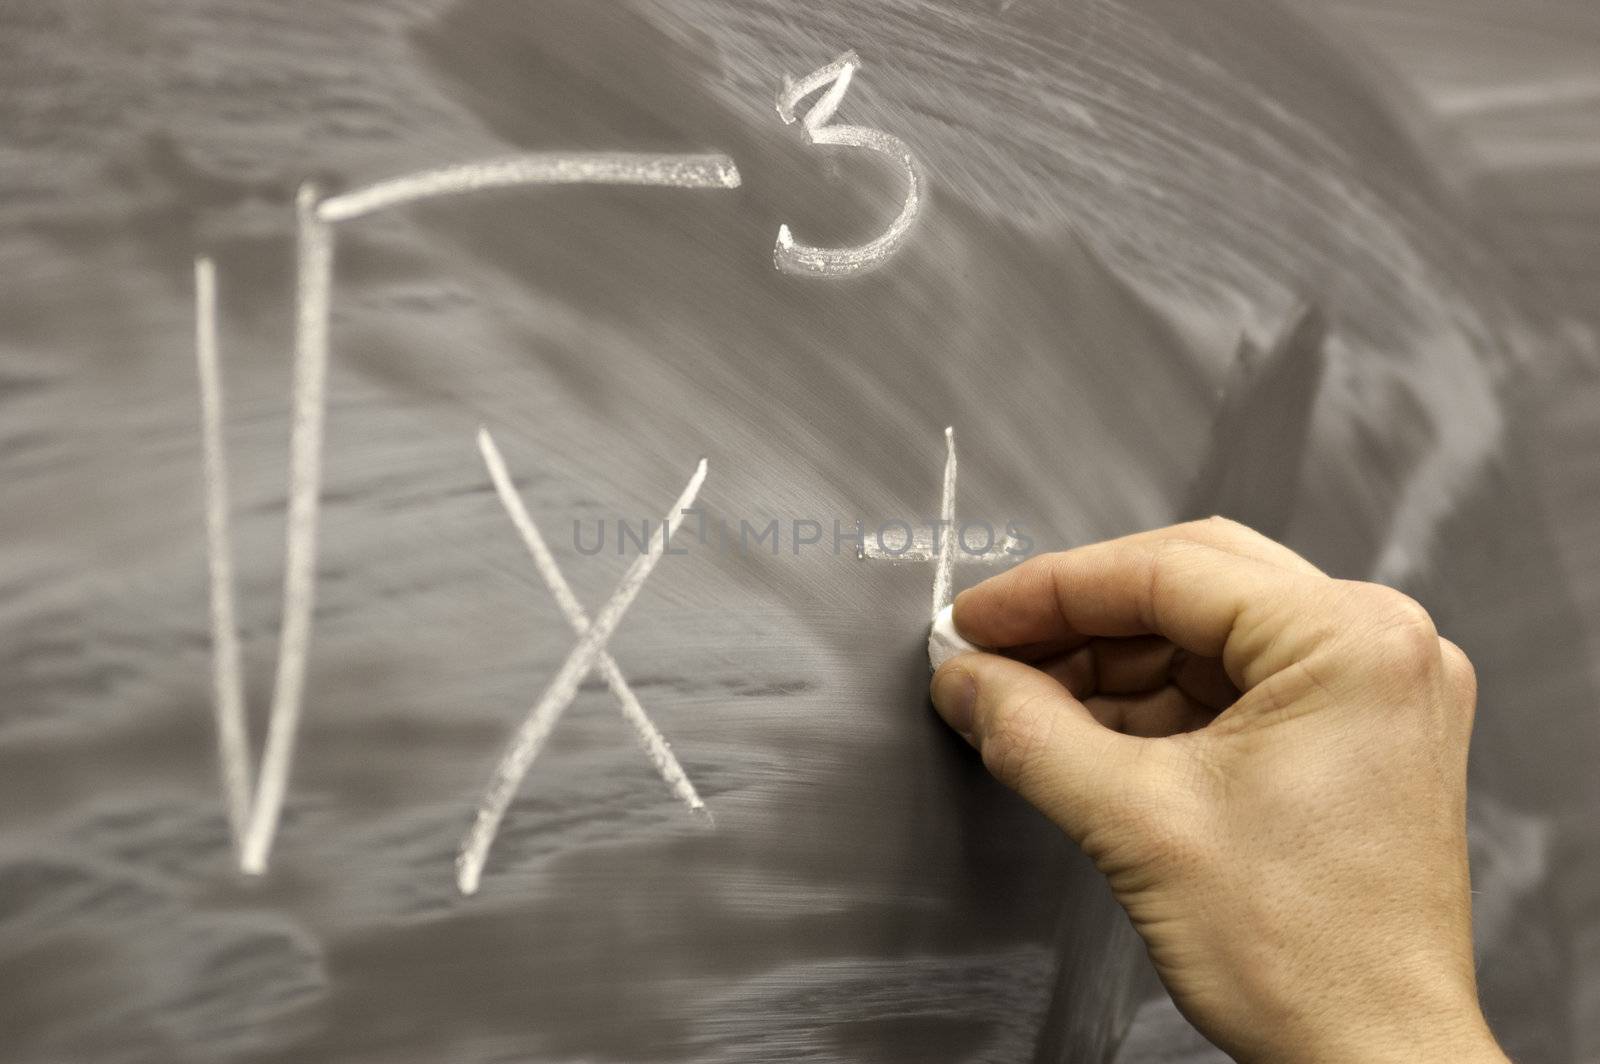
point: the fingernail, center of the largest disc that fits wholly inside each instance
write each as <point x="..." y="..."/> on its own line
<point x="955" y="694"/>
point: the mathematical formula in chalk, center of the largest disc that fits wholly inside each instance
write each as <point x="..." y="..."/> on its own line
<point x="254" y="806"/>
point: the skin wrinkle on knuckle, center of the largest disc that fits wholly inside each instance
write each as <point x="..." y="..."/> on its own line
<point x="1408" y="642"/>
<point x="1311" y="668"/>
<point x="1389" y="634"/>
<point x="1158" y="580"/>
<point x="1206" y="556"/>
<point x="1234" y="537"/>
<point x="1267" y="700"/>
<point x="1261" y="643"/>
<point x="1253" y="653"/>
<point x="1411" y="617"/>
<point x="1055" y="573"/>
<point x="1396" y="611"/>
<point x="1295" y="683"/>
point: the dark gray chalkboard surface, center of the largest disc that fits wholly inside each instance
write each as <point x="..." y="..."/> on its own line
<point x="1171" y="259"/>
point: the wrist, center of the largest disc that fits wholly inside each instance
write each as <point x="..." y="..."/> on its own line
<point x="1461" y="1040"/>
<point x="1413" y="1016"/>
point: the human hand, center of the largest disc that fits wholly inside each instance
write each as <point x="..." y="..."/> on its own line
<point x="1269" y="766"/>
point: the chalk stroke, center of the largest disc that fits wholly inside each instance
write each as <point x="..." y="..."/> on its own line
<point x="313" y="306"/>
<point x="233" y="736"/>
<point x="601" y="168"/>
<point x="789" y="255"/>
<point x="945" y="565"/>
<point x="923" y="546"/>
<point x="836" y="74"/>
<point x="312" y="297"/>
<point x="946" y="543"/>
<point x="655" y="744"/>
<point x="541" y="719"/>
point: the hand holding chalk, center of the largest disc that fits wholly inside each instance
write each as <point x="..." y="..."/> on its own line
<point x="1268" y="764"/>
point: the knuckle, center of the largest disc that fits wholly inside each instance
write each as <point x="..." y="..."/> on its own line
<point x="1399" y="631"/>
<point x="1166" y="562"/>
<point x="1227" y="534"/>
<point x="1402" y="613"/>
<point x="1229" y="528"/>
<point x="1041" y="563"/>
<point x="1457" y="663"/>
<point x="1460" y="671"/>
<point x="1167" y="551"/>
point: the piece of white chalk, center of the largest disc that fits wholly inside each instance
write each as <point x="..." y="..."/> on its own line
<point x="944" y="642"/>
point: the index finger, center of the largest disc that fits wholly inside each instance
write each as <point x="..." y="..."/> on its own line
<point x="1210" y="602"/>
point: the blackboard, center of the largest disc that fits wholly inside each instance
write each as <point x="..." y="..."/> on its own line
<point x="1167" y="260"/>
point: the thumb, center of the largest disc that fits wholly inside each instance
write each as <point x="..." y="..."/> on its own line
<point x="1036" y="738"/>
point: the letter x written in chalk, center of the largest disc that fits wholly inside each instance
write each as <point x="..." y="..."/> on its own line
<point x="589" y="654"/>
